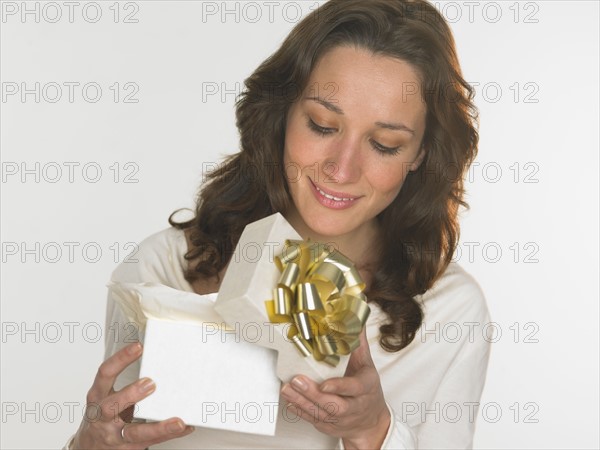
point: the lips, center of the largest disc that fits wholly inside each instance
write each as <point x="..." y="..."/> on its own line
<point x="333" y="199"/>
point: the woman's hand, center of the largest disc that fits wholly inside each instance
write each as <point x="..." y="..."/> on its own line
<point x="104" y="427"/>
<point x="352" y="407"/>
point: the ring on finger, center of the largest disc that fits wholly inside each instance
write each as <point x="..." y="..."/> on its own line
<point x="123" y="433"/>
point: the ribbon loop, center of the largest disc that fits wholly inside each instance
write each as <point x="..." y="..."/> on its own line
<point x="320" y="294"/>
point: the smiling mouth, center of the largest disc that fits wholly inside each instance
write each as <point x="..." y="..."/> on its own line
<point x="332" y="197"/>
<point x="338" y="197"/>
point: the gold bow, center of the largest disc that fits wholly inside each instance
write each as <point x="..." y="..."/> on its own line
<point x="320" y="294"/>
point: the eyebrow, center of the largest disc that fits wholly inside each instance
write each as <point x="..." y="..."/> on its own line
<point x="395" y="126"/>
<point x="336" y="109"/>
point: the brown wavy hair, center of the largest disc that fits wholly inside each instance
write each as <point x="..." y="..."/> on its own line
<point x="420" y="227"/>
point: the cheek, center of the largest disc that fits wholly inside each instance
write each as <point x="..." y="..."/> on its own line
<point x="299" y="148"/>
<point x="291" y="144"/>
<point x="388" y="184"/>
<point x="294" y="156"/>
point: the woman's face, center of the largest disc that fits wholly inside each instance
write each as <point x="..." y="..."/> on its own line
<point x="351" y="139"/>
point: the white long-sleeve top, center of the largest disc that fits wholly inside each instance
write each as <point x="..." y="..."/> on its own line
<point x="432" y="387"/>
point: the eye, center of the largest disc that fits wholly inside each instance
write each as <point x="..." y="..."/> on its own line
<point x="383" y="149"/>
<point x="322" y="131"/>
<point x="319" y="129"/>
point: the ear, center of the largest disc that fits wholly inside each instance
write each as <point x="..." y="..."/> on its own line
<point x="418" y="160"/>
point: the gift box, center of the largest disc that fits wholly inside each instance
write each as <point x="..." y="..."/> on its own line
<point x="266" y="275"/>
<point x="205" y="372"/>
<point x="285" y="307"/>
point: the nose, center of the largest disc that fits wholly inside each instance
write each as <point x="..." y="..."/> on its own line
<point x="343" y="163"/>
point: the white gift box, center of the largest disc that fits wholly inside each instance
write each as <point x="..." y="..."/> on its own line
<point x="204" y="372"/>
<point x="249" y="282"/>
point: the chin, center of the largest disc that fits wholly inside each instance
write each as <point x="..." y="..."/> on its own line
<point x="328" y="228"/>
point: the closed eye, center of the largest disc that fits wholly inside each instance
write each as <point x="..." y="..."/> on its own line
<point x="319" y="129"/>
<point x="383" y="149"/>
<point x="322" y="131"/>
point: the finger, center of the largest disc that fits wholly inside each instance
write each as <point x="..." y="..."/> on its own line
<point x="350" y="386"/>
<point x="115" y="404"/>
<point x="323" y="413"/>
<point x="361" y="356"/>
<point x="347" y="386"/>
<point x="154" y="433"/>
<point x="110" y="369"/>
<point x="305" y="392"/>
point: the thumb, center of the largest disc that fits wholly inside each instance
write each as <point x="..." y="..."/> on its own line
<point x="361" y="356"/>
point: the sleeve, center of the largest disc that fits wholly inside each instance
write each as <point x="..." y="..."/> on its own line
<point x="154" y="264"/>
<point x="436" y="403"/>
<point x="120" y="332"/>
<point x="448" y="420"/>
<point x="399" y="436"/>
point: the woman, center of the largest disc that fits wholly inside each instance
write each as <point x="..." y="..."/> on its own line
<point x="359" y="130"/>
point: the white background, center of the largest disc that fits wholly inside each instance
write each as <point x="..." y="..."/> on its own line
<point x="543" y="373"/>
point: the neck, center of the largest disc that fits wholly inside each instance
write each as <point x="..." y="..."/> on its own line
<point x="359" y="245"/>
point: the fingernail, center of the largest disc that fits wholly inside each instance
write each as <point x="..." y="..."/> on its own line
<point x="134" y="349"/>
<point x="286" y="390"/>
<point x="190" y="428"/>
<point x="299" y="383"/>
<point x="326" y="388"/>
<point x="146" y="385"/>
<point x="176" y="427"/>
